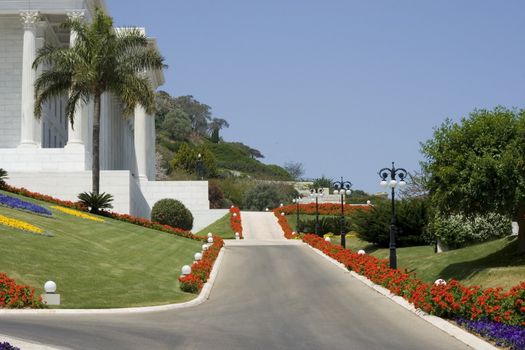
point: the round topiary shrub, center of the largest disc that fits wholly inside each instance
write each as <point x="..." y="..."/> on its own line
<point x="172" y="212"/>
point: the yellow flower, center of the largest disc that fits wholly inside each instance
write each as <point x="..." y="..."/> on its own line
<point x="78" y="213"/>
<point x="21" y="225"/>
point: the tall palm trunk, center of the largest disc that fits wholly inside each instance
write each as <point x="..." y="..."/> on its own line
<point x="96" y="145"/>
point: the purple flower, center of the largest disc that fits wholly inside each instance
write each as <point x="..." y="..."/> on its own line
<point x="502" y="334"/>
<point x="7" y="346"/>
<point x="16" y="203"/>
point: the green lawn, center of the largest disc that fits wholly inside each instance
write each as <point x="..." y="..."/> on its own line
<point x="490" y="264"/>
<point x="220" y="227"/>
<point x="96" y="265"/>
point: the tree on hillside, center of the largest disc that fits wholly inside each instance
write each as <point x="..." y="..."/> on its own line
<point x="163" y="105"/>
<point x="102" y="60"/>
<point x="295" y="169"/>
<point x="199" y="113"/>
<point x="478" y="165"/>
<point x="177" y="124"/>
<point x="215" y="126"/>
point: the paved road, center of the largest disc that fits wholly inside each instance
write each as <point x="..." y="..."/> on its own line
<point x="269" y="296"/>
<point x="260" y="226"/>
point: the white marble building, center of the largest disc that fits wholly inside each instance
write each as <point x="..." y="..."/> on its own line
<point x="47" y="155"/>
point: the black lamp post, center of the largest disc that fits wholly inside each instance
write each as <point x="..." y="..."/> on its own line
<point x="296" y="201"/>
<point x="199" y="169"/>
<point x="393" y="183"/>
<point x="318" y="192"/>
<point x="342" y="187"/>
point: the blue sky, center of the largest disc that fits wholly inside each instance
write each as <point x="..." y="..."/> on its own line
<point x="345" y="87"/>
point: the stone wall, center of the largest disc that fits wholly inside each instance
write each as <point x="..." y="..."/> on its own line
<point x="10" y="80"/>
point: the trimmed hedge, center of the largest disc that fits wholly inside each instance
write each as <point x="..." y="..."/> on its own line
<point x="172" y="212"/>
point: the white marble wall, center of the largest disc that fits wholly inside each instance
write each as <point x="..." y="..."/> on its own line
<point x="10" y="80"/>
<point x="67" y="185"/>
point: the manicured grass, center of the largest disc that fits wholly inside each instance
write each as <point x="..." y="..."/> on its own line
<point x="220" y="227"/>
<point x="489" y="264"/>
<point x="96" y="265"/>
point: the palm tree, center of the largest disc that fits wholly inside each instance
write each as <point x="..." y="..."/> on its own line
<point x="102" y="60"/>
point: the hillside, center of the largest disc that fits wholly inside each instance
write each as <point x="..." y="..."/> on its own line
<point x="232" y="159"/>
<point x="95" y="264"/>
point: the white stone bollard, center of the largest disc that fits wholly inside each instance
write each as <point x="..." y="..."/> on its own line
<point x="282" y="205"/>
<point x="267" y="209"/>
<point x="186" y="270"/>
<point x="361" y="252"/>
<point x="210" y="234"/>
<point x="237" y="235"/>
<point x="368" y="202"/>
<point x="234" y="214"/>
<point x="204" y="247"/>
<point x="50" y="297"/>
<point x="210" y="240"/>
<point x="283" y="214"/>
<point x="197" y="256"/>
<point x="294" y="233"/>
<point x="327" y="239"/>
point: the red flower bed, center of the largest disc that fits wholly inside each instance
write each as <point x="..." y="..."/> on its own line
<point x="17" y="296"/>
<point x="324" y="208"/>
<point x="200" y="270"/>
<point x="235" y="221"/>
<point x="122" y="217"/>
<point x="283" y="222"/>
<point x="450" y="300"/>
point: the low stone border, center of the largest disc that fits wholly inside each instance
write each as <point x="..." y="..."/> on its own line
<point x="201" y="298"/>
<point x="447" y="327"/>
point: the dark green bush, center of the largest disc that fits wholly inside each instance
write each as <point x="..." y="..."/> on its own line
<point x="262" y="196"/>
<point x="173" y="213"/>
<point x="327" y="224"/>
<point x="268" y="195"/>
<point x="215" y="196"/>
<point x="412" y="219"/>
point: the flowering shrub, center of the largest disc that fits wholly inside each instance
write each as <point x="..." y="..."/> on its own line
<point x="16" y="203"/>
<point x="7" y="346"/>
<point x="458" y="230"/>
<point x="200" y="270"/>
<point x="324" y="208"/>
<point x="190" y="283"/>
<point x="512" y="337"/>
<point x="21" y="225"/>
<point x="16" y="296"/>
<point x="235" y="221"/>
<point x="42" y="197"/>
<point x="283" y="222"/>
<point x="450" y="300"/>
<point x="78" y="214"/>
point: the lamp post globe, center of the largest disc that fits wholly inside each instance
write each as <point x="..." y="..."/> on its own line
<point x="393" y="173"/>
<point x="316" y="192"/>
<point x="343" y="188"/>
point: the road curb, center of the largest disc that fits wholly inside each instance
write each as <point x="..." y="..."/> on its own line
<point x="201" y="298"/>
<point x="447" y="327"/>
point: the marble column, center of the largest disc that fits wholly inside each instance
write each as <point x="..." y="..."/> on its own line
<point x="27" y="135"/>
<point x="75" y="133"/>
<point x="140" y="137"/>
